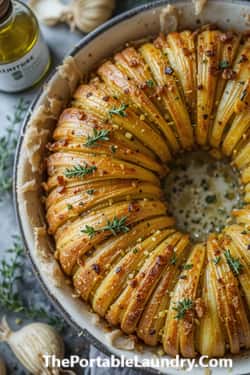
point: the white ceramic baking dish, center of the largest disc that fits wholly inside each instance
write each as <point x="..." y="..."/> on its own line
<point x="132" y="25"/>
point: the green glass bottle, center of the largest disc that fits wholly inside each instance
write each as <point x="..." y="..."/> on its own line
<point x="24" y="56"/>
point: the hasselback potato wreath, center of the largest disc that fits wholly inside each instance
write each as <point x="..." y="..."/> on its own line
<point x="105" y="205"/>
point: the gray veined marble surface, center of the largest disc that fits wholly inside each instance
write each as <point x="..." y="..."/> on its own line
<point x="60" y="41"/>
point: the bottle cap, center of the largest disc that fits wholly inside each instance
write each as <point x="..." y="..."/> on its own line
<point x="4" y="8"/>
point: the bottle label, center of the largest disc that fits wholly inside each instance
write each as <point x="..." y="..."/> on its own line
<point x="27" y="70"/>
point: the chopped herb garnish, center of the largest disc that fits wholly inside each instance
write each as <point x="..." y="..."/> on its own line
<point x="173" y="259"/>
<point x="187" y="266"/>
<point x="116" y="225"/>
<point x="119" y="111"/>
<point x="112" y="148"/>
<point x="234" y="263"/>
<point x="243" y="95"/>
<point x="210" y="199"/>
<point x="90" y="231"/>
<point x="79" y="170"/>
<point x="150" y="83"/>
<point x="182" y="307"/>
<point x="90" y="191"/>
<point x="69" y="206"/>
<point x="217" y="259"/>
<point x="135" y="250"/>
<point x="224" y="64"/>
<point x="98" y="135"/>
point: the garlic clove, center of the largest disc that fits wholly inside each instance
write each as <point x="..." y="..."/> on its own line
<point x="31" y="343"/>
<point x="50" y="12"/>
<point x="88" y="14"/>
<point x="2" y="367"/>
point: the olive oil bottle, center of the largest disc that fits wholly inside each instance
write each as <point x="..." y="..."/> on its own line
<point x="24" y="57"/>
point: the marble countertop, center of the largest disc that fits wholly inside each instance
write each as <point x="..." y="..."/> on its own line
<point x="60" y="41"/>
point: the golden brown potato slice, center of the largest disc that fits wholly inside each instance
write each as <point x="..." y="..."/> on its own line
<point x="234" y="90"/>
<point x="242" y="215"/>
<point x="127" y="90"/>
<point x="209" y="333"/>
<point x="208" y="59"/>
<point x="180" y="48"/>
<point x="179" y="331"/>
<point x="154" y="314"/>
<point x="69" y="167"/>
<point x="122" y="273"/>
<point x="230" y="304"/>
<point x="75" y="201"/>
<point x="95" y="266"/>
<point x="171" y="97"/>
<point x="74" y="239"/>
<point x="239" y="249"/>
<point x="128" y="307"/>
<point x="95" y="98"/>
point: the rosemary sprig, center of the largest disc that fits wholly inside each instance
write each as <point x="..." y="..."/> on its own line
<point x="115" y="226"/>
<point x="8" y="144"/>
<point x="119" y="111"/>
<point x="98" y="135"/>
<point x="90" y="231"/>
<point x="182" y="307"/>
<point x="234" y="263"/>
<point x="10" y="300"/>
<point x="79" y="170"/>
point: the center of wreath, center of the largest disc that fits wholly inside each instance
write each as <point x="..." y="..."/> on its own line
<point x="201" y="191"/>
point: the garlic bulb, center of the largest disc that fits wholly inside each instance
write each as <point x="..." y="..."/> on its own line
<point x="31" y="342"/>
<point x="2" y="367"/>
<point x="86" y="15"/>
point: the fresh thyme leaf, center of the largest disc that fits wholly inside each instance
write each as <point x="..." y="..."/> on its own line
<point x="150" y="83"/>
<point x="112" y="148"/>
<point x="116" y="225"/>
<point x="119" y="111"/>
<point x="224" y="64"/>
<point x="173" y="259"/>
<point x="79" y="170"/>
<point x="217" y="259"/>
<point x="90" y="231"/>
<point x="90" y="191"/>
<point x="98" y="135"/>
<point x="182" y="307"/>
<point x="8" y="144"/>
<point x="211" y="199"/>
<point x="234" y="263"/>
<point x="187" y="266"/>
<point x="10" y="275"/>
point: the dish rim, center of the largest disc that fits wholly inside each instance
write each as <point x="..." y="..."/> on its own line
<point x="80" y="45"/>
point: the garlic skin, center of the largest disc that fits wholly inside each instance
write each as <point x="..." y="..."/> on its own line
<point x="2" y="367"/>
<point x="51" y="12"/>
<point x="86" y="15"/>
<point x="30" y="343"/>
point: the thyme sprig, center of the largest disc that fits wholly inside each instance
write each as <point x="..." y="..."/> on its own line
<point x="98" y="135"/>
<point x="121" y="111"/>
<point x="234" y="263"/>
<point x="10" y="299"/>
<point x="8" y="144"/>
<point x="182" y="307"/>
<point x="79" y="170"/>
<point x="115" y="226"/>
